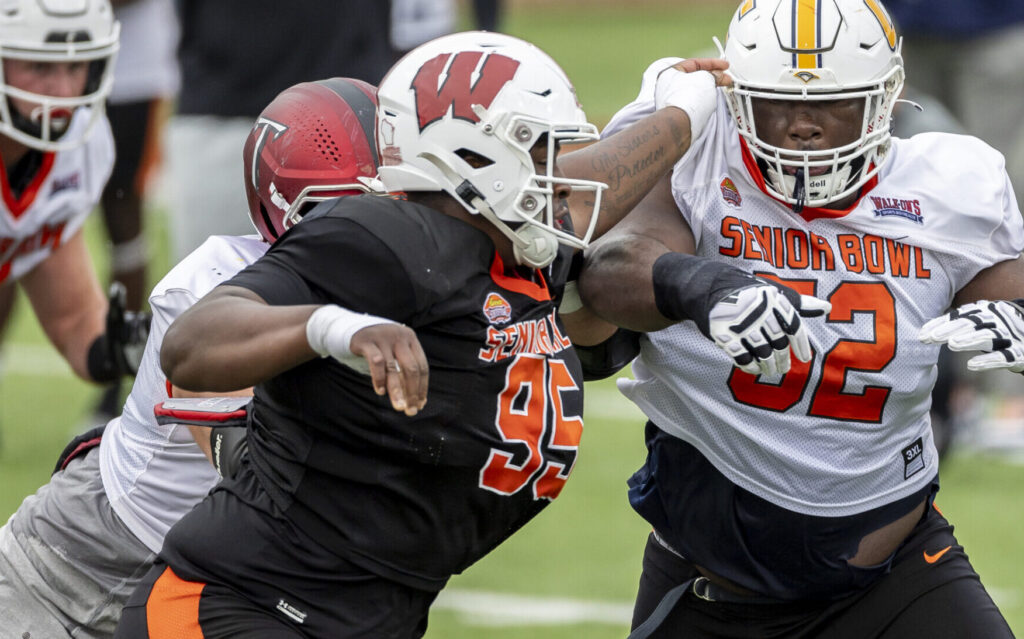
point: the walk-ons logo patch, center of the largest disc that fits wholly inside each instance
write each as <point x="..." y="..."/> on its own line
<point x="497" y="310"/>
<point x="730" y="193"/>
<point x="890" y="206"/>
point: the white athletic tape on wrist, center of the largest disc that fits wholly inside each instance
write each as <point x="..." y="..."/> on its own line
<point x="571" y="301"/>
<point x="329" y="331"/>
<point x="694" y="93"/>
<point x="643" y="105"/>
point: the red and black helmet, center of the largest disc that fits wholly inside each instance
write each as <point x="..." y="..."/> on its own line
<point x="312" y="143"/>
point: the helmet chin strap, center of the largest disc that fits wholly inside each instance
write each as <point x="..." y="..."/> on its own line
<point x="531" y="245"/>
<point x="540" y="247"/>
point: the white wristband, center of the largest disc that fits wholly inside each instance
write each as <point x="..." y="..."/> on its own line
<point x="571" y="301"/>
<point x="329" y="331"/>
<point x="643" y="105"/>
<point x="693" y="92"/>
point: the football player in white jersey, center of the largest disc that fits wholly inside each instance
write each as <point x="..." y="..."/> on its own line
<point x="57" y="153"/>
<point x="73" y="552"/>
<point x="790" y="484"/>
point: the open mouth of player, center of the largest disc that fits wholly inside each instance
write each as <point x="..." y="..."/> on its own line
<point x="59" y="117"/>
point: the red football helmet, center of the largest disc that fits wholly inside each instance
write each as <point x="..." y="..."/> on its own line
<point x="311" y="143"/>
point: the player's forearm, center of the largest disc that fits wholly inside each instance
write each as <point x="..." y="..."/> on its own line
<point x="616" y="283"/>
<point x="74" y="340"/>
<point x="229" y="341"/>
<point x="586" y="328"/>
<point x="631" y="162"/>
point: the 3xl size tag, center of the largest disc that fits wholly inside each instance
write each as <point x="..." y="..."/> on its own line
<point x="913" y="459"/>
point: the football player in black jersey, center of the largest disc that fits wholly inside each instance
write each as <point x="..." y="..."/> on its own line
<point x="417" y="396"/>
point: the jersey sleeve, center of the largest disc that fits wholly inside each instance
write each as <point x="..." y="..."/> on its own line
<point x="974" y="219"/>
<point x="331" y="260"/>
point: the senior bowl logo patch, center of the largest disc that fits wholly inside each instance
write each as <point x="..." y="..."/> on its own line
<point x="891" y="206"/>
<point x="730" y="193"/>
<point x="497" y="309"/>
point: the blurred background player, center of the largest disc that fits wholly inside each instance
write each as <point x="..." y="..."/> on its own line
<point x="487" y="14"/>
<point x="235" y="56"/>
<point x="413" y="22"/>
<point x="57" y="153"/>
<point x="791" y="495"/>
<point x="70" y="556"/>
<point x="961" y="55"/>
<point x="964" y="53"/>
<point x="359" y="497"/>
<point x="146" y="79"/>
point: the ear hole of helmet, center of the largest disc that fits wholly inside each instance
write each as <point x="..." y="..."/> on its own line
<point x="474" y="159"/>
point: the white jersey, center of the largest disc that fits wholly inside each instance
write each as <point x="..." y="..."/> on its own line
<point x="55" y="204"/>
<point x="154" y="474"/>
<point x="850" y="430"/>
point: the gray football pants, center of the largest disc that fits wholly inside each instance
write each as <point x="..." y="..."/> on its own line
<point x="67" y="562"/>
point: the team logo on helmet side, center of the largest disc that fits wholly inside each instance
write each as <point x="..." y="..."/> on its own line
<point x="497" y="309"/>
<point x="457" y="92"/>
<point x="267" y="124"/>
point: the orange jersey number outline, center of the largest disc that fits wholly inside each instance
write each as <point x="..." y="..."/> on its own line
<point x="540" y="382"/>
<point x="829" y="399"/>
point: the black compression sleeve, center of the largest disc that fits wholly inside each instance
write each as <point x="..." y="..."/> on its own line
<point x="687" y="286"/>
<point x="228" y="444"/>
<point x="99" y="362"/>
<point x="610" y="356"/>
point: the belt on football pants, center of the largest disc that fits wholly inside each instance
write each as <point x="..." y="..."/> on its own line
<point x="702" y="588"/>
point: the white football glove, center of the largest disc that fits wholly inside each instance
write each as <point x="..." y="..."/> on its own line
<point x="757" y="325"/>
<point x="995" y="328"/>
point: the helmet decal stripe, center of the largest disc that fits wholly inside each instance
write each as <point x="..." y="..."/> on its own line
<point x="747" y="7"/>
<point x="806" y="33"/>
<point x="884" y="21"/>
<point x="361" y="104"/>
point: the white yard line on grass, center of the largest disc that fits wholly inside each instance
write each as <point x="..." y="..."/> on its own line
<point x="41" y="360"/>
<point x="482" y="608"/>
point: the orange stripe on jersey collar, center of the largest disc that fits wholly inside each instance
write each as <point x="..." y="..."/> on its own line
<point x="172" y="610"/>
<point x="809" y="213"/>
<point x="17" y="206"/>
<point x="517" y="284"/>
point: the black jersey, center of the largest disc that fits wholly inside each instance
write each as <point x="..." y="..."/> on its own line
<point x="417" y="499"/>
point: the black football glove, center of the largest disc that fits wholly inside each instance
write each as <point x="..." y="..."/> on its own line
<point x="127" y="332"/>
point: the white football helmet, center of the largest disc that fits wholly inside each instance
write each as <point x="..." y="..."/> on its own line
<point x="56" y="31"/>
<point x="815" y="50"/>
<point x="491" y="96"/>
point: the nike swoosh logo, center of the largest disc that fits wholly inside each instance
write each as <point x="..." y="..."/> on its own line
<point x="937" y="556"/>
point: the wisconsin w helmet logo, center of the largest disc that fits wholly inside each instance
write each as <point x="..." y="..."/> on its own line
<point x="457" y="91"/>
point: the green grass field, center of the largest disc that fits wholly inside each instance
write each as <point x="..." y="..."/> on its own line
<point x="572" y="572"/>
